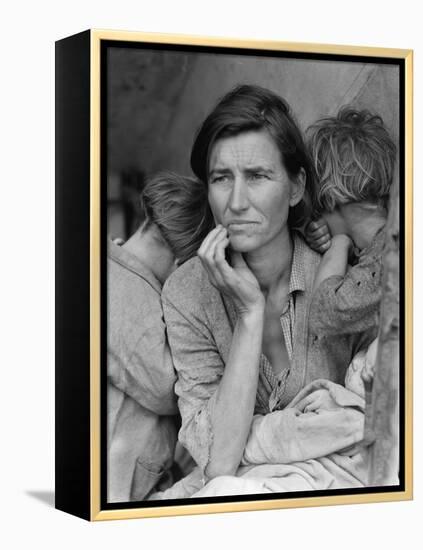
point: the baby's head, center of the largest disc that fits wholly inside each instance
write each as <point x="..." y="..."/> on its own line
<point x="354" y="159"/>
<point x="361" y="368"/>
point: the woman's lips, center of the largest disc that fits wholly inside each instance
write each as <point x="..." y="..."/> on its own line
<point x="240" y="222"/>
<point x="240" y="225"/>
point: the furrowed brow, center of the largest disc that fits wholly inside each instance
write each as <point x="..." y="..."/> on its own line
<point x="258" y="168"/>
<point x="219" y="171"/>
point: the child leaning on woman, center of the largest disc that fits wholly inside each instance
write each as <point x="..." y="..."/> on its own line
<point x="354" y="158"/>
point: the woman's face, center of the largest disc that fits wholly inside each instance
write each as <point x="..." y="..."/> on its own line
<point x="249" y="190"/>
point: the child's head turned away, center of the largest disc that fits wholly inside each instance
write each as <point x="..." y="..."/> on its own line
<point x="354" y="159"/>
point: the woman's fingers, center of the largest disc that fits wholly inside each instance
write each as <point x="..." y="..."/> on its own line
<point x="205" y="245"/>
<point x="237" y="280"/>
<point x="217" y="264"/>
<point x="212" y="246"/>
<point x="207" y="253"/>
<point x="207" y="248"/>
<point x="222" y="265"/>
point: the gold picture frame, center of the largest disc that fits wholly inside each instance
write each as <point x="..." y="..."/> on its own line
<point x="80" y="320"/>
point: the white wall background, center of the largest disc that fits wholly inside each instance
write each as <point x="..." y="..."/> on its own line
<point x="29" y="30"/>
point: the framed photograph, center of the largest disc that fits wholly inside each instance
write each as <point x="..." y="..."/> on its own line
<point x="233" y="275"/>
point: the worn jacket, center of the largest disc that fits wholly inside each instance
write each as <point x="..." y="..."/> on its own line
<point x="200" y="324"/>
<point x="141" y="404"/>
<point x="351" y="303"/>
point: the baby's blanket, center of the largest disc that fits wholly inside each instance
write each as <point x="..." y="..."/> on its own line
<point x="313" y="444"/>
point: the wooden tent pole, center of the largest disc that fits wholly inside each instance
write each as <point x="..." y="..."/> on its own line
<point x="382" y="410"/>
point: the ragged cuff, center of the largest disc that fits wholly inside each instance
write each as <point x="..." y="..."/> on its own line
<point x="196" y="435"/>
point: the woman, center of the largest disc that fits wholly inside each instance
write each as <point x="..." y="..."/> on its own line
<point x="141" y="405"/>
<point x="237" y="315"/>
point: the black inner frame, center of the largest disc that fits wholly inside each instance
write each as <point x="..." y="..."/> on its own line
<point x="104" y="47"/>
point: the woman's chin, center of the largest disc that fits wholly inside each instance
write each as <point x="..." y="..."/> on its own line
<point x="242" y="244"/>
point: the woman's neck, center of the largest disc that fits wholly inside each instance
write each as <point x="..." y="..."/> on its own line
<point x="271" y="264"/>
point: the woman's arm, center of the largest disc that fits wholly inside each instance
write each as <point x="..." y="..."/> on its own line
<point x="234" y="401"/>
<point x="235" y="397"/>
<point x="216" y="394"/>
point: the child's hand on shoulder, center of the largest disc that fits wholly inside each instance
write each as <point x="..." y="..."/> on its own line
<point x="318" y="235"/>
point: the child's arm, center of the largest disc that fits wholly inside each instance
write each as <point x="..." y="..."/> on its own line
<point x="347" y="302"/>
<point x="335" y="260"/>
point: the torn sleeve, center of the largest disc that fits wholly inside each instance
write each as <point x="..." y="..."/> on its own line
<point x="349" y="304"/>
<point x="199" y="368"/>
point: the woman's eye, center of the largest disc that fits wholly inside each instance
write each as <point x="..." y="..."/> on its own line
<point x="219" y="179"/>
<point x="259" y="176"/>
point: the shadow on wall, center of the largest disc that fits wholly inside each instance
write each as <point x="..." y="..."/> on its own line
<point x="46" y="497"/>
<point x="158" y="99"/>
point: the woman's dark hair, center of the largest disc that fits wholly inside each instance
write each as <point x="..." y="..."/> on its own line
<point x="248" y="108"/>
<point x="354" y="158"/>
<point x="178" y="207"/>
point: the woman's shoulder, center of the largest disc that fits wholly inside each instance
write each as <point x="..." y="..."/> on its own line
<point x="306" y="257"/>
<point x="188" y="283"/>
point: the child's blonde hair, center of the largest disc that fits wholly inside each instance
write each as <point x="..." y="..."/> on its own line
<point x="354" y="158"/>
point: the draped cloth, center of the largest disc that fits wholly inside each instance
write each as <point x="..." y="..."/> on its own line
<point x="315" y="443"/>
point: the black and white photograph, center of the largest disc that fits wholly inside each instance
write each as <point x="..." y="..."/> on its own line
<point x="254" y="206"/>
<point x="210" y="293"/>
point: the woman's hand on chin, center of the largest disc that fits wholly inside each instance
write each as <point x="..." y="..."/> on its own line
<point x="236" y="281"/>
